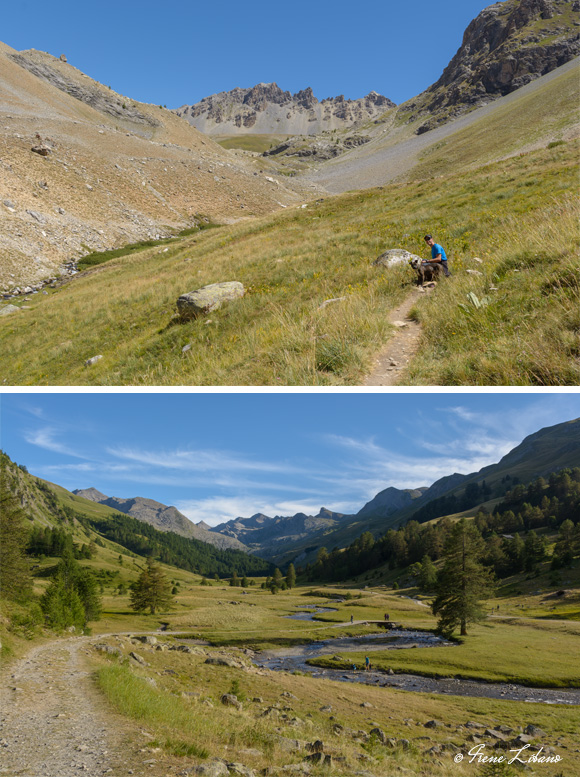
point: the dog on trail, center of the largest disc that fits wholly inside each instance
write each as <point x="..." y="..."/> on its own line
<point x="425" y="272"/>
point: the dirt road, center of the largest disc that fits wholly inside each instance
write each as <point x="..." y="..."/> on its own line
<point x="55" y="724"/>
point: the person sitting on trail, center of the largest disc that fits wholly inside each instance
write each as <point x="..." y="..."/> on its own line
<point x="438" y="255"/>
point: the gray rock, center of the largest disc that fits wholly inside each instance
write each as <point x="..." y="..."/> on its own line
<point x="240" y="770"/>
<point x="213" y="769"/>
<point x="319" y="759"/>
<point x="534" y="731"/>
<point x="224" y="661"/>
<point x="208" y="298"/>
<point x="147" y="640"/>
<point x="380" y="734"/>
<point x="93" y="360"/>
<point x="231" y="700"/>
<point x="394" y="256"/>
<point x="433" y="724"/>
<point x="37" y="216"/>
<point x="41" y="149"/>
<point x="7" y="310"/>
<point x="109" y="649"/>
<point x="139" y="659"/>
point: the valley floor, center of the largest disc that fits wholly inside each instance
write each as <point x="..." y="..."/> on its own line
<point x="126" y="702"/>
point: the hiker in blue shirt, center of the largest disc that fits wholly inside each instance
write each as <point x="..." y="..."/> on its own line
<point x="437" y="254"/>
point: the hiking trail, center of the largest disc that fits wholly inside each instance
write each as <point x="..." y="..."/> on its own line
<point x="392" y="360"/>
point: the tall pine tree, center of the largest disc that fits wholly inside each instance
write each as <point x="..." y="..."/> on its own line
<point x="152" y="590"/>
<point x="463" y="581"/>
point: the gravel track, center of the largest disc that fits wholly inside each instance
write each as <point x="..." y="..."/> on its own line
<point x="55" y="724"/>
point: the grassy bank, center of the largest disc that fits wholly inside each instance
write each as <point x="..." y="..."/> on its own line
<point x="524" y="647"/>
<point x="518" y="216"/>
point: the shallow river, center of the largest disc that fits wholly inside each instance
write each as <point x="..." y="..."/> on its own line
<point x="295" y="658"/>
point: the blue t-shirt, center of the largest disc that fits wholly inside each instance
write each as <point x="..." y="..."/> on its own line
<point x="436" y="249"/>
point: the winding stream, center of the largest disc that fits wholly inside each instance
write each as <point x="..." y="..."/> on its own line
<point x="295" y="659"/>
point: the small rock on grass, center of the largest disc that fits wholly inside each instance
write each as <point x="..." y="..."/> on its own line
<point x="93" y="360"/>
<point x="7" y="310"/>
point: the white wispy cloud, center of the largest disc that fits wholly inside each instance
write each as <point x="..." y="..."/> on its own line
<point x="199" y="460"/>
<point x="46" y="438"/>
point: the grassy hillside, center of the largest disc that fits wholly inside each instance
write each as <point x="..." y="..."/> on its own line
<point x="515" y="324"/>
<point x="511" y="127"/>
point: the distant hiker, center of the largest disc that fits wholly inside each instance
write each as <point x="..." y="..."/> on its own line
<point x="351" y="618"/>
<point x="354" y="667"/>
<point x="437" y="254"/>
<point x="386" y="616"/>
<point x="367" y="663"/>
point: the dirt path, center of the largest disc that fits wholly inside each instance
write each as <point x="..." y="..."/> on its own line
<point x="55" y="724"/>
<point x="393" y="359"/>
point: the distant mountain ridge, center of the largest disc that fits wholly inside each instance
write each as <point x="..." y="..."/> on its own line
<point x="267" y="109"/>
<point x="161" y="517"/>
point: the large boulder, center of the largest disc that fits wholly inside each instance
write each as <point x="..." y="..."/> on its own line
<point x="208" y="298"/>
<point x="393" y="257"/>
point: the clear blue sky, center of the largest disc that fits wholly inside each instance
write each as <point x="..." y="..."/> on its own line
<point x="178" y="51"/>
<point x="220" y="456"/>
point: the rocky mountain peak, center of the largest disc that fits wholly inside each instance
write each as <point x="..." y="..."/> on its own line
<point x="90" y="493"/>
<point x="505" y="47"/>
<point x="267" y="109"/>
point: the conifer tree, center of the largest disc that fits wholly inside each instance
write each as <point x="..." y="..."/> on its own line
<point x="291" y="576"/>
<point x="15" y="578"/>
<point x="462" y="581"/>
<point x="151" y="590"/>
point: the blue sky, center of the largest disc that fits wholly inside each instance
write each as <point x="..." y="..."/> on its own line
<point x="179" y="52"/>
<point x="220" y="456"/>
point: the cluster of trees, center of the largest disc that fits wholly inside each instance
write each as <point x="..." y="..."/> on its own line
<point x="170" y="548"/>
<point x="72" y="598"/>
<point x="552" y="504"/>
<point x="53" y="541"/>
<point x="473" y="494"/>
<point x="15" y="577"/>
<point x="280" y="583"/>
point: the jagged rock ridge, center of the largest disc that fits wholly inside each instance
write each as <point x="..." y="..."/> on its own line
<point x="267" y="109"/>
<point x="505" y="47"/>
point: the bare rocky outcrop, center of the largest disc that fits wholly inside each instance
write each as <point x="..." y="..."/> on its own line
<point x="267" y="109"/>
<point x="505" y="47"/>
